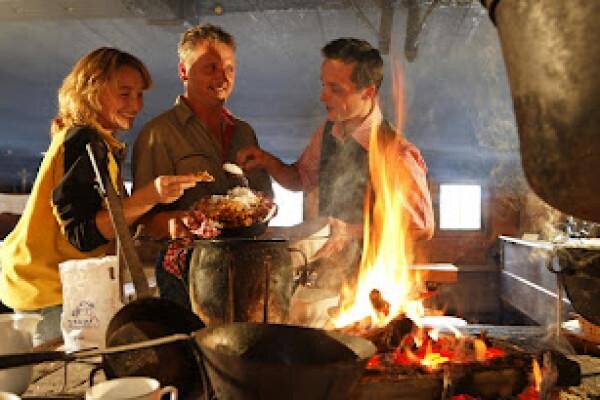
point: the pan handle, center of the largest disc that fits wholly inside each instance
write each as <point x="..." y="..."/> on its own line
<point x="21" y="359"/>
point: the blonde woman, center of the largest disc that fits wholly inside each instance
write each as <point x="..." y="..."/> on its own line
<point x="64" y="217"/>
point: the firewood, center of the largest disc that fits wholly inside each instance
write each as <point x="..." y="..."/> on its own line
<point x="390" y="336"/>
<point x="381" y="306"/>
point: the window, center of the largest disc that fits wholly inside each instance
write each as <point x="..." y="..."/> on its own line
<point x="290" y="205"/>
<point x="460" y="207"/>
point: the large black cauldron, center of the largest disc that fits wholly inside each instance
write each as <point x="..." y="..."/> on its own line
<point x="241" y="279"/>
<point x="552" y="51"/>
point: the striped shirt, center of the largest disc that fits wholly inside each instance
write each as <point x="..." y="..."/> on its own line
<point x="419" y="208"/>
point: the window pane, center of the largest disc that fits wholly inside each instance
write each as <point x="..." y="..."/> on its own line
<point x="290" y="206"/>
<point x="460" y="207"/>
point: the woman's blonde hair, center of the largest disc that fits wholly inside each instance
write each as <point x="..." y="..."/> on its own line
<point x="78" y="97"/>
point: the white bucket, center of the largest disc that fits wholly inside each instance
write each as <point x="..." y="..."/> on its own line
<point x="91" y="297"/>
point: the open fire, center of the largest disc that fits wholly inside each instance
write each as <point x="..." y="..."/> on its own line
<point x="386" y="303"/>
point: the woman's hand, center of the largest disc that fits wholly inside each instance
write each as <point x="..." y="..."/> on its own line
<point x="166" y="189"/>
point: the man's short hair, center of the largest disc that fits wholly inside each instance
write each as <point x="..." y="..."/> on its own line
<point x="368" y="64"/>
<point x="199" y="33"/>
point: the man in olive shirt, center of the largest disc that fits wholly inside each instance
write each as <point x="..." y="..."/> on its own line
<point x="197" y="134"/>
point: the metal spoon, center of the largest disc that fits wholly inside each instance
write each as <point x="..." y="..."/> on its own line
<point x="235" y="169"/>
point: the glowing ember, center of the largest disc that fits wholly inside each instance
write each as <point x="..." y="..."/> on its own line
<point x="431" y="353"/>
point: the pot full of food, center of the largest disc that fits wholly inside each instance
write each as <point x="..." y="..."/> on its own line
<point x="238" y="276"/>
<point x="241" y="212"/>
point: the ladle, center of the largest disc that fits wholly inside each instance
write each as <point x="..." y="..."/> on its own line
<point x="235" y="169"/>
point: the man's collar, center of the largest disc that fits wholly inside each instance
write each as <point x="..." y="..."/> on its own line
<point x="362" y="132"/>
<point x="183" y="112"/>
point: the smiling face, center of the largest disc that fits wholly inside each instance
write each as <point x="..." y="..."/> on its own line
<point x="209" y="73"/>
<point x="342" y="99"/>
<point x="121" y="99"/>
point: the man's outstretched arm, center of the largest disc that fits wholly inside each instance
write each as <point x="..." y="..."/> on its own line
<point x="286" y="175"/>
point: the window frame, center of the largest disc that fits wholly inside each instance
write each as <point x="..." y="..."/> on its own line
<point x="484" y="214"/>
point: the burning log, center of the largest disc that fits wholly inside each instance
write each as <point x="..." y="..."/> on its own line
<point x="380" y="305"/>
<point x="386" y="338"/>
<point x="499" y="376"/>
<point x="495" y="378"/>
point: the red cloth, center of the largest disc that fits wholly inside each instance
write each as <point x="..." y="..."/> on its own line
<point x="175" y="258"/>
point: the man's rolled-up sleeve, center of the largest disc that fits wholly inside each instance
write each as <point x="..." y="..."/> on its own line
<point x="308" y="162"/>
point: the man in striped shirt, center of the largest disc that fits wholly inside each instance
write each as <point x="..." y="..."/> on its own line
<point x="336" y="159"/>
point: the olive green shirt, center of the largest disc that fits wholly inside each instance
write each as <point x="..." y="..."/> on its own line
<point x="177" y="142"/>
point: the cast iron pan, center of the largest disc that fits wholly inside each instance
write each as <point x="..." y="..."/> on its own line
<point x="171" y="364"/>
<point x="268" y="361"/>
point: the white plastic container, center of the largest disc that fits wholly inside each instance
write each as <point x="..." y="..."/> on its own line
<point x="17" y="332"/>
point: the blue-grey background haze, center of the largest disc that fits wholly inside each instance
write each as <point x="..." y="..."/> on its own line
<point x="458" y="106"/>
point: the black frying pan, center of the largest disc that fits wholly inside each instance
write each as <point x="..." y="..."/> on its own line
<point x="172" y="364"/>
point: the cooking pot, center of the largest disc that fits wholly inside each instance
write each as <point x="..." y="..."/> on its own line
<point x="552" y="50"/>
<point x="578" y="268"/>
<point x="268" y="361"/>
<point x="241" y="279"/>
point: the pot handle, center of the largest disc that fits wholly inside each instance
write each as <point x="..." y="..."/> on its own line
<point x="304" y="271"/>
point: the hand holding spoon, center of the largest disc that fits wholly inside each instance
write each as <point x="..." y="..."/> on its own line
<point x="234" y="169"/>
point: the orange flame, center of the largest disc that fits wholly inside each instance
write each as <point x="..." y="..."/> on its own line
<point x="537" y="375"/>
<point x="386" y="245"/>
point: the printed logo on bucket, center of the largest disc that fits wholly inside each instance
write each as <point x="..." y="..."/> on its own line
<point x="83" y="316"/>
